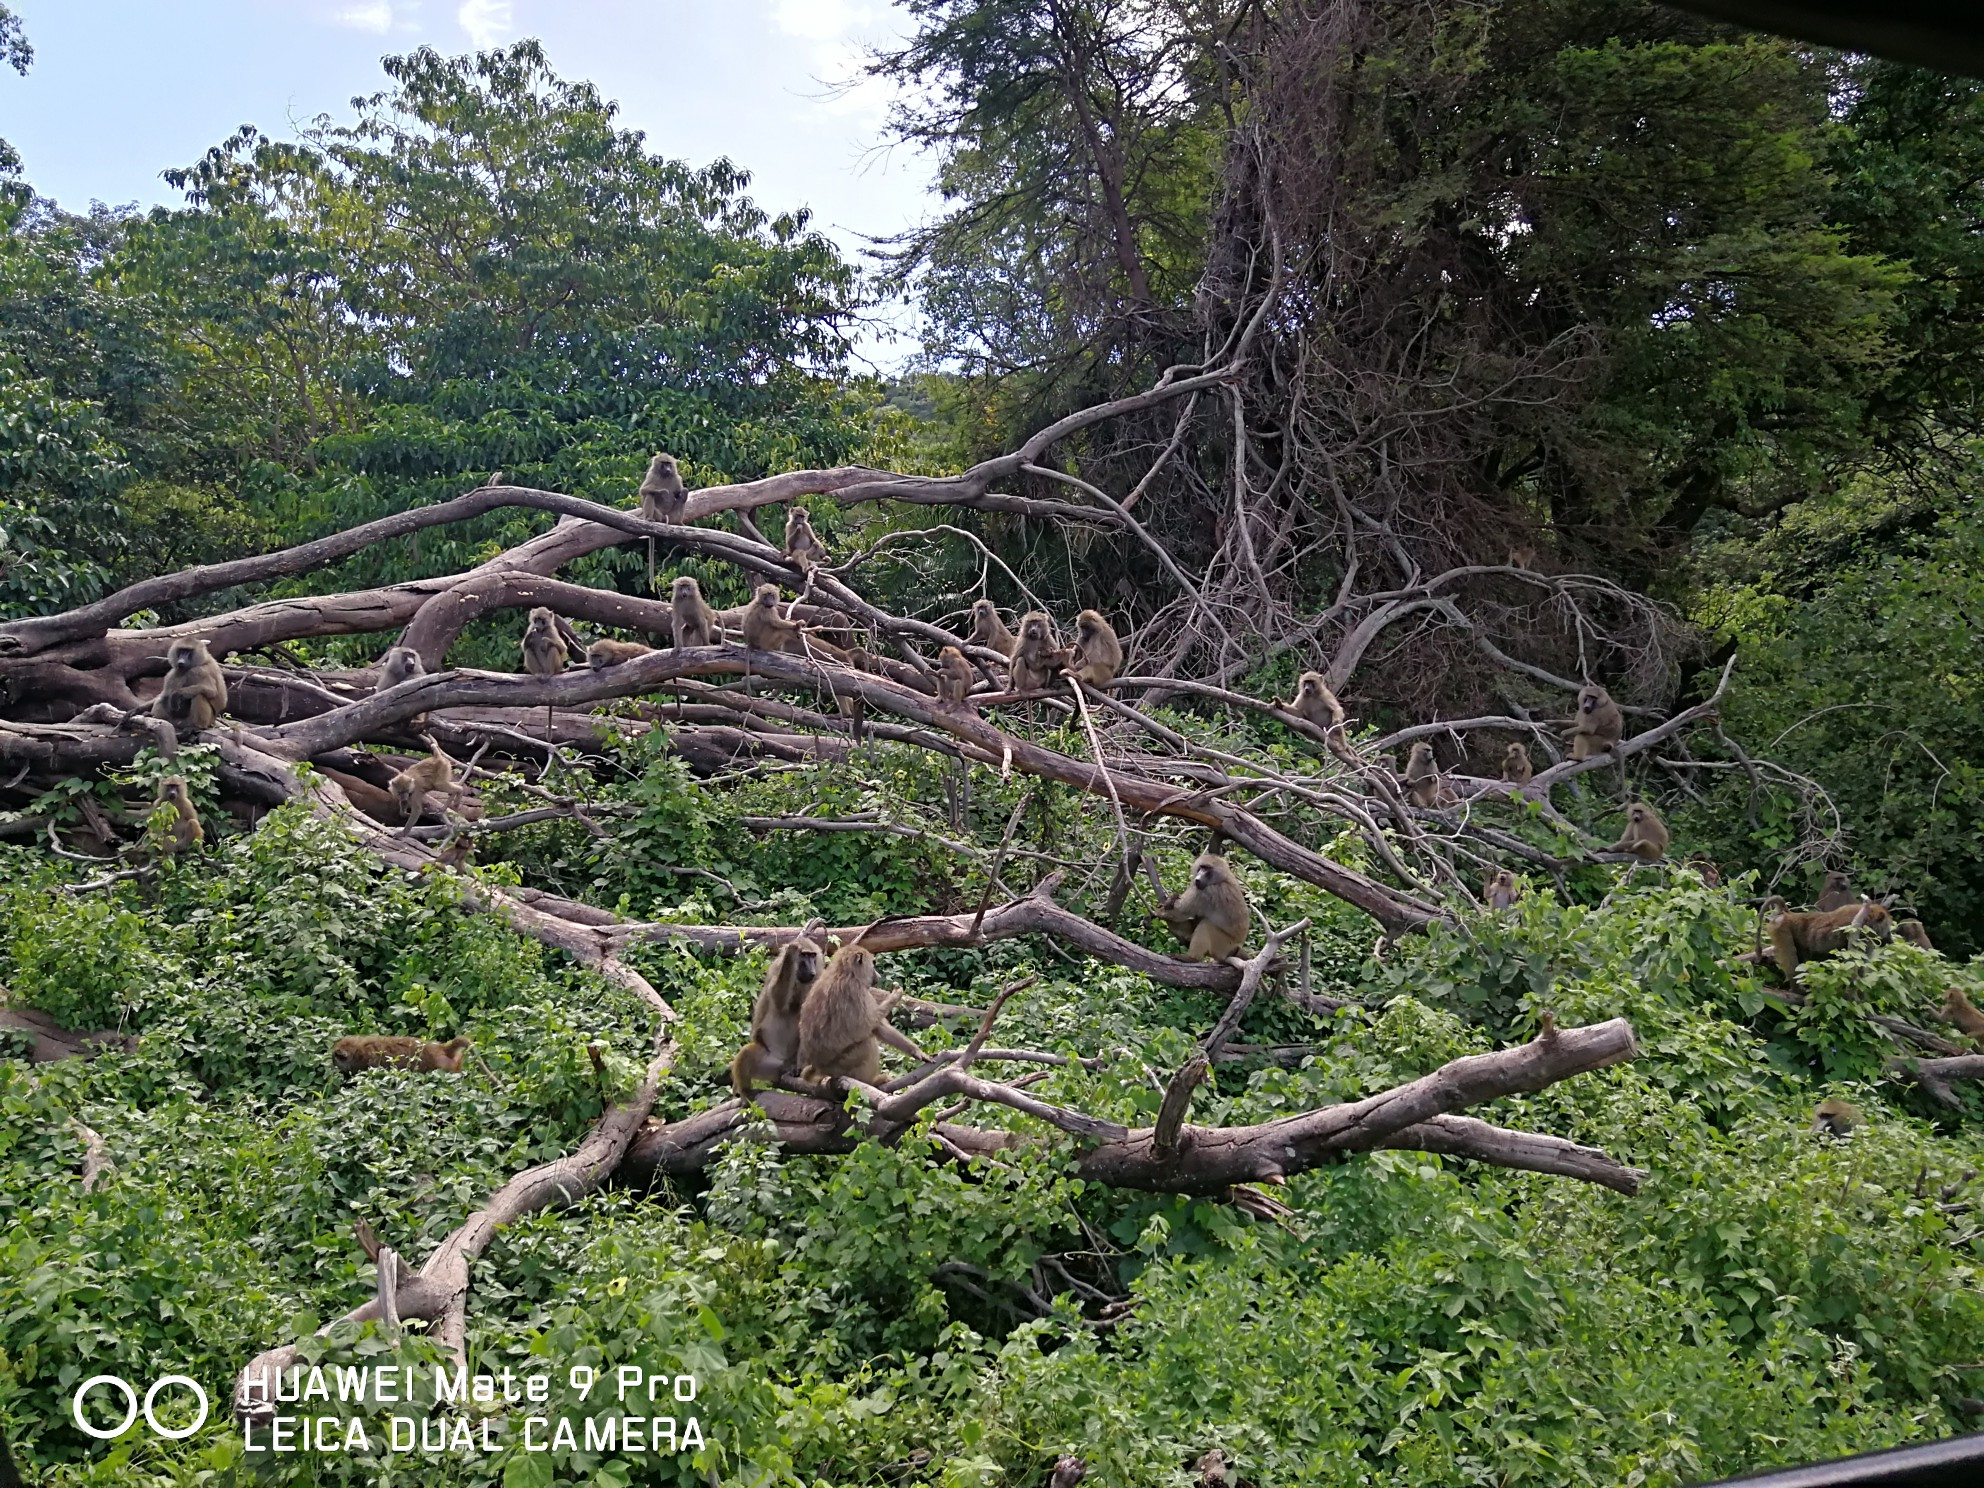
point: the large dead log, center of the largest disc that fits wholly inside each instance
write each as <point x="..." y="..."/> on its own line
<point x="1418" y="1116"/>
<point x="49" y="1041"/>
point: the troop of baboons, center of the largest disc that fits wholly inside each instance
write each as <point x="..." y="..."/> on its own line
<point x="818" y="1015"/>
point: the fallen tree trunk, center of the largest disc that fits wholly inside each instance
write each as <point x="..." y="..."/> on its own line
<point x="1418" y="1116"/>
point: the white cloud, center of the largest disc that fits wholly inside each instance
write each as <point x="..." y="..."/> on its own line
<point x="373" y="15"/>
<point x="820" y="20"/>
<point x="487" y="22"/>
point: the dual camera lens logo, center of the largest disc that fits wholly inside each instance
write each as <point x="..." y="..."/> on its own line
<point x="132" y="1407"/>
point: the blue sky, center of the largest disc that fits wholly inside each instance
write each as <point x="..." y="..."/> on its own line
<point x="123" y="89"/>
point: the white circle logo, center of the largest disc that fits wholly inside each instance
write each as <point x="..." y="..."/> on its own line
<point x="131" y="1407"/>
<point x="130" y="1400"/>
<point x="152" y="1394"/>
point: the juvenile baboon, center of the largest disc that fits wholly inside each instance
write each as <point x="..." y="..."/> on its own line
<point x="1914" y="932"/>
<point x="767" y="630"/>
<point x="411" y="787"/>
<point x="954" y="677"/>
<point x="1315" y="702"/>
<point x="402" y="664"/>
<point x="774" y="1046"/>
<point x="1501" y="890"/>
<point x="1797" y="937"/>
<point x="1098" y="655"/>
<point x="1036" y="656"/>
<point x="1422" y="778"/>
<point x="1211" y="915"/>
<point x="851" y="705"/>
<point x="803" y="548"/>
<point x="1516" y="767"/>
<point x="392" y="1051"/>
<point x="695" y="622"/>
<point x="194" y="692"/>
<point x="663" y="499"/>
<point x="186" y="829"/>
<point x="838" y="1018"/>
<point x="606" y="653"/>
<point x="1645" y="836"/>
<point x="1598" y="723"/>
<point x="1959" y="1009"/>
<point x="1835" y="1117"/>
<point x="1522" y="556"/>
<point x="1838" y="890"/>
<point x="987" y="629"/>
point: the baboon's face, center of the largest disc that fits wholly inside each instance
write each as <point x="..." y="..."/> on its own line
<point x="182" y="655"/>
<point x="806" y="965"/>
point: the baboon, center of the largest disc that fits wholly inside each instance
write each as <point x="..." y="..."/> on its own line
<point x="774" y="1046"/>
<point x="851" y="705"/>
<point x="1501" y="890"/>
<point x="838" y="1019"/>
<point x="987" y="629"/>
<point x="1597" y="724"/>
<point x="1835" y="1117"/>
<point x="1036" y="657"/>
<point x="767" y="630"/>
<point x="1838" y="890"/>
<point x="1211" y="915"/>
<point x="1915" y="933"/>
<point x="695" y="622"/>
<point x="456" y="850"/>
<point x="1645" y="836"/>
<point x="954" y="677"/>
<point x="411" y="787"/>
<point x="392" y="1051"/>
<point x="194" y="692"/>
<point x="1811" y="935"/>
<point x="606" y="653"/>
<point x="663" y="499"/>
<point x="1422" y="778"/>
<point x="544" y="648"/>
<point x="186" y="829"/>
<point x="1516" y="768"/>
<point x="545" y="655"/>
<point x="1959" y="1009"/>
<point x="402" y="664"/>
<point x="1522" y="556"/>
<point x="803" y="548"/>
<point x="663" y="496"/>
<point x="1098" y="655"/>
<point x="1315" y="702"/>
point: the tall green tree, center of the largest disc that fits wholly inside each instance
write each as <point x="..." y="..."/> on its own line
<point x="484" y="272"/>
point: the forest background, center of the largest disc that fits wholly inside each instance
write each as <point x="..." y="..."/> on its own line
<point x="1697" y="311"/>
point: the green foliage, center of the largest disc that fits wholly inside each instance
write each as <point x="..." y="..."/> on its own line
<point x="1869" y="678"/>
<point x="1774" y="1295"/>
